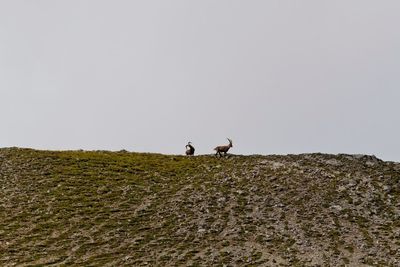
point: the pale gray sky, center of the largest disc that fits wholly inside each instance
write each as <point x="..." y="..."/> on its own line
<point x="275" y="76"/>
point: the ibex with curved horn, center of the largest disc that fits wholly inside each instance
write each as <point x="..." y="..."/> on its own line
<point x="223" y="149"/>
<point x="189" y="149"/>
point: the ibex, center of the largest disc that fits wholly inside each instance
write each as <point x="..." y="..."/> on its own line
<point x="223" y="149"/>
<point x="189" y="149"/>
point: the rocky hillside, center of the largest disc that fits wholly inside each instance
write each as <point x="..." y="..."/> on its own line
<point x="77" y="208"/>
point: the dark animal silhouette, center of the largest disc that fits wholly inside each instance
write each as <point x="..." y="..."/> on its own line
<point x="189" y="149"/>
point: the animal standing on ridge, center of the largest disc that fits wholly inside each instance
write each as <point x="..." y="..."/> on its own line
<point x="189" y="149"/>
<point x="223" y="149"/>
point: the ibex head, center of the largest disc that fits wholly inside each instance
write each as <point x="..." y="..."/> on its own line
<point x="230" y="142"/>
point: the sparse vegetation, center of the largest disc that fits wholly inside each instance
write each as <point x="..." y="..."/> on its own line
<point x="81" y="208"/>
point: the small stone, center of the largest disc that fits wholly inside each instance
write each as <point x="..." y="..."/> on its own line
<point x="337" y="207"/>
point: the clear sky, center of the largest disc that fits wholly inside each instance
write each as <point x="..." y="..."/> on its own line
<point x="276" y="76"/>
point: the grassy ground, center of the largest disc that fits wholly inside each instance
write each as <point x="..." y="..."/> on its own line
<point x="77" y="208"/>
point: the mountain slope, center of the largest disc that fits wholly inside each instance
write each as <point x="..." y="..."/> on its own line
<point x="78" y="208"/>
